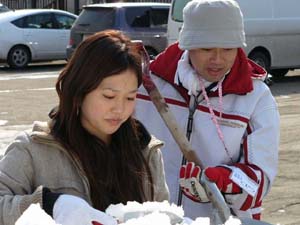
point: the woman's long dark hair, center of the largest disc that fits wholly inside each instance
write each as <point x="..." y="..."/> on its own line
<point x="116" y="172"/>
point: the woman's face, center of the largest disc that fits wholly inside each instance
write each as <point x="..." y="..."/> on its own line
<point x="212" y="63"/>
<point x="109" y="105"/>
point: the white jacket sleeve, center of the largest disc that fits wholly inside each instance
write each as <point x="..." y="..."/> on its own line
<point x="260" y="152"/>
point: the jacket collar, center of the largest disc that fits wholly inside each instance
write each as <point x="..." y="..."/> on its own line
<point x="238" y="81"/>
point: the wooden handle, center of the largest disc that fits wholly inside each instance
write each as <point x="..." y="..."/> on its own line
<point x="170" y="121"/>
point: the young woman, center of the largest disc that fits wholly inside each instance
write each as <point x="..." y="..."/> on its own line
<point x="92" y="153"/>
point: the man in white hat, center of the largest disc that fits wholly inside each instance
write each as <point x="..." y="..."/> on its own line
<point x="218" y="96"/>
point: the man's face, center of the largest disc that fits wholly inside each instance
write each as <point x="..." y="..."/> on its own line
<point x="212" y="63"/>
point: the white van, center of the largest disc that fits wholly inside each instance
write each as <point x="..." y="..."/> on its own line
<point x="272" y="30"/>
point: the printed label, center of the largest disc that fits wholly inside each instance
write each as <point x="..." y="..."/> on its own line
<point x="241" y="179"/>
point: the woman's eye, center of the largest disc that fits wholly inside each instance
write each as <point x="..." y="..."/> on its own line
<point x="108" y="96"/>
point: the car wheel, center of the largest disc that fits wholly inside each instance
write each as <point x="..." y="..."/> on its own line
<point x="261" y="59"/>
<point x="18" y="57"/>
<point x="279" y="72"/>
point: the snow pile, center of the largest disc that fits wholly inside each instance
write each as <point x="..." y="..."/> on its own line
<point x="162" y="213"/>
<point x="135" y="210"/>
<point x="35" y="215"/>
<point x="233" y="221"/>
<point x="149" y="219"/>
<point x="133" y="213"/>
<point x="149" y="213"/>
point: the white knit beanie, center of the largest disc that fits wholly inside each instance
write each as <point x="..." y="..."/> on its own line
<point x="212" y="24"/>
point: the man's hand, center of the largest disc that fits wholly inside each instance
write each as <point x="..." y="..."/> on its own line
<point x="72" y="210"/>
<point x="189" y="183"/>
<point x="241" y="185"/>
<point x="221" y="176"/>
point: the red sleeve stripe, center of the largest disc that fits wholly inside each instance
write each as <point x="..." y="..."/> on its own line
<point x="245" y="149"/>
<point x="200" y="107"/>
<point x="245" y="144"/>
<point x="224" y="115"/>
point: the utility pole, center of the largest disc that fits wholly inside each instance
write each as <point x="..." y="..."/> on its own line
<point x="33" y="4"/>
<point x="76" y="7"/>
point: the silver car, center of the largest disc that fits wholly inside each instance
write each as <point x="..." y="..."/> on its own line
<point x="31" y="35"/>
<point x="140" y="21"/>
<point x="3" y="8"/>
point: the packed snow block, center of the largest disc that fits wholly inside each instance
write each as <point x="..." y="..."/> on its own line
<point x="35" y="215"/>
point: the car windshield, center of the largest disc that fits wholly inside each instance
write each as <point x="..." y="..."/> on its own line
<point x="98" y="18"/>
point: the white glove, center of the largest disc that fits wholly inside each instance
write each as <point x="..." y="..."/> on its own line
<point x="189" y="180"/>
<point x="72" y="210"/>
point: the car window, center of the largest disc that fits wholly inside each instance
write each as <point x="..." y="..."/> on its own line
<point x="19" y="22"/>
<point x="43" y="21"/>
<point x="138" y="16"/>
<point x="38" y="21"/>
<point x="99" y="18"/>
<point x="159" y="18"/>
<point x="64" y="22"/>
<point x="145" y="17"/>
<point x="177" y="9"/>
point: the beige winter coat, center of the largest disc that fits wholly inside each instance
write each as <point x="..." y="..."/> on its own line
<point x="35" y="160"/>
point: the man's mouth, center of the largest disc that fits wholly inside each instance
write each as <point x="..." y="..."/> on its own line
<point x="214" y="71"/>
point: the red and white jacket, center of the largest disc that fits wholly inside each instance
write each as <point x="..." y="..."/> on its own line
<point x="249" y="122"/>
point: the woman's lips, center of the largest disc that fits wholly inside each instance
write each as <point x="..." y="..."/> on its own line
<point x="114" y="122"/>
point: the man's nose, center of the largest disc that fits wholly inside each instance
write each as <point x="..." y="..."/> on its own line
<point x="217" y="55"/>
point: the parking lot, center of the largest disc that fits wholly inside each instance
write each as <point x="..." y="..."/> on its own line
<point x="28" y="95"/>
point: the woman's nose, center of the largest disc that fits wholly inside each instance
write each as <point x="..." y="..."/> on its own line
<point x="118" y="106"/>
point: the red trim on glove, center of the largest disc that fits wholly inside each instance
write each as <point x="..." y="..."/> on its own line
<point x="185" y="173"/>
<point x="221" y="176"/>
<point x="256" y="216"/>
<point x="96" y="223"/>
<point x="249" y="201"/>
<point x="190" y="184"/>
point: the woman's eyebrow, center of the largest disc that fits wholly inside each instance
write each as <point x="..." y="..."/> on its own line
<point x="117" y="90"/>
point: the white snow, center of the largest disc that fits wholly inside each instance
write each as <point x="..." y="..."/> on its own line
<point x="149" y="213"/>
<point x="3" y="122"/>
<point x="233" y="221"/>
<point x="134" y="210"/>
<point x="35" y="215"/>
